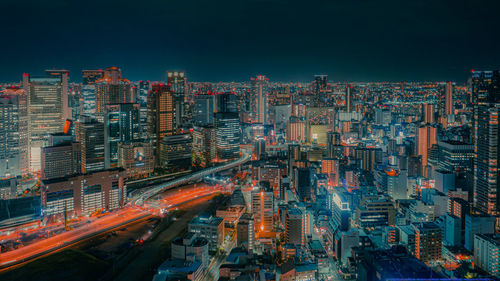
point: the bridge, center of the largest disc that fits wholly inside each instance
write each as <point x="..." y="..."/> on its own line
<point x="143" y="195"/>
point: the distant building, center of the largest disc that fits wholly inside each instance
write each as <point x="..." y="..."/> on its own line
<point x="204" y="146"/>
<point x="227" y="136"/>
<point x="203" y="114"/>
<point x="111" y="89"/>
<point x="263" y="209"/>
<point x="62" y="159"/>
<point x="91" y="137"/>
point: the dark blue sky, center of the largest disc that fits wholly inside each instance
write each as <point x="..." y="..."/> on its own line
<point x="350" y="40"/>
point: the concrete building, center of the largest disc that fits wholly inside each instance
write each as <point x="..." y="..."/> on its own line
<point x="190" y="247"/>
<point x="210" y="228"/>
<point x="487" y="253"/>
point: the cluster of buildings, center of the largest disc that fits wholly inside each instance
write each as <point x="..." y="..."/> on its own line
<point x="345" y="179"/>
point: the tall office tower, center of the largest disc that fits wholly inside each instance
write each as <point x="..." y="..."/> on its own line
<point x="428" y="113"/>
<point x="320" y="83"/>
<point x="203" y="110"/>
<point x="449" y="106"/>
<point x="263" y="209"/>
<point x="204" y="146"/>
<point x="14" y="137"/>
<point x="428" y="241"/>
<point x="227" y="137"/>
<point x="245" y="231"/>
<point x="161" y="116"/>
<point x="426" y="137"/>
<point x="90" y="76"/>
<point x="332" y="144"/>
<point x="227" y="125"/>
<point x="111" y="89"/>
<point x="122" y="126"/>
<point x="64" y="76"/>
<point x="91" y="137"/>
<point x="261" y="91"/>
<point x="178" y="84"/>
<point x="45" y="110"/>
<point x="226" y="102"/>
<point x="295" y="227"/>
<point x="303" y="183"/>
<point x="348" y="98"/>
<point x="294" y="154"/>
<point x="486" y="92"/>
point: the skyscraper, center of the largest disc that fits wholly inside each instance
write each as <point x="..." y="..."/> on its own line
<point x="295" y="227"/>
<point x="45" y="110"/>
<point x="426" y="137"/>
<point x="261" y="91"/>
<point x="111" y="89"/>
<point x="228" y="127"/>
<point x="176" y="80"/>
<point x="14" y="138"/>
<point x="90" y="76"/>
<point x="263" y="209"/>
<point x="122" y="126"/>
<point x="203" y="110"/>
<point x="449" y="106"/>
<point x="161" y="115"/>
<point x="486" y="94"/>
<point x="91" y="136"/>
<point x="428" y="112"/>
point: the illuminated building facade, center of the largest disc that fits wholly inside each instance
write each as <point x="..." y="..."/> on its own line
<point x="111" y="89"/>
<point x="122" y="126"/>
<point x="263" y="209"/>
<point x="45" y="110"/>
<point x="14" y="137"/>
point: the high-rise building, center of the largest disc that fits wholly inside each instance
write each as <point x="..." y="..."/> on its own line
<point x="426" y="137"/>
<point x="176" y="80"/>
<point x="64" y="76"/>
<point x="45" y="110"/>
<point x="320" y="83"/>
<point x="262" y="103"/>
<point x="111" y="89"/>
<point x="122" y="126"/>
<point x="263" y="209"/>
<point x="477" y="224"/>
<point x="210" y="228"/>
<point x="203" y="110"/>
<point x="428" y="112"/>
<point x="486" y="95"/>
<point x="226" y="102"/>
<point x="91" y="137"/>
<point x="303" y="183"/>
<point x="90" y="76"/>
<point x="295" y="227"/>
<point x="296" y="129"/>
<point x="204" y="146"/>
<point x="428" y="241"/>
<point x="348" y="98"/>
<point x="245" y="231"/>
<point x="14" y="137"/>
<point x="449" y="105"/>
<point x="161" y="116"/>
<point x="228" y="131"/>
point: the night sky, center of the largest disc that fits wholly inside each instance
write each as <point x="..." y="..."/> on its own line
<point x="232" y="40"/>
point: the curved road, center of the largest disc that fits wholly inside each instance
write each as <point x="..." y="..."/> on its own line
<point x="139" y="199"/>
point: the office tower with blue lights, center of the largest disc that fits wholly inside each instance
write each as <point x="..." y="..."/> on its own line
<point x="228" y="128"/>
<point x="122" y="125"/>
